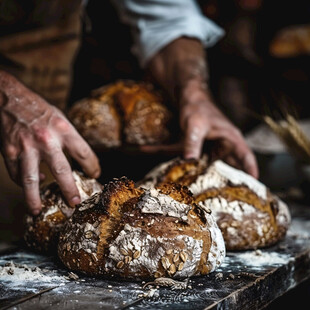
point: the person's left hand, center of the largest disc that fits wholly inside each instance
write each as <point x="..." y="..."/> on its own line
<point x="181" y="69"/>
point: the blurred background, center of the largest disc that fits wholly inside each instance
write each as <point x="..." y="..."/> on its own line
<point x="261" y="67"/>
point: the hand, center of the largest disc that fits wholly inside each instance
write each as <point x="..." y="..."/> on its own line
<point x="33" y="131"/>
<point x="181" y="69"/>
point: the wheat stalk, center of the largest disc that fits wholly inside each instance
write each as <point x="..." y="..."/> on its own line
<point x="291" y="134"/>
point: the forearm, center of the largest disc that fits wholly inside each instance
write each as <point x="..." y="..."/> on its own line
<point x="190" y="66"/>
<point x="181" y="69"/>
<point x="17" y="102"/>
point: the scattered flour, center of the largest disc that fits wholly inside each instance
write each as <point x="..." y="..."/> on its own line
<point x="16" y="276"/>
<point x="300" y="230"/>
<point x="262" y="258"/>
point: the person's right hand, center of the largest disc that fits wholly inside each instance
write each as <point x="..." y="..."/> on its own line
<point x="33" y="131"/>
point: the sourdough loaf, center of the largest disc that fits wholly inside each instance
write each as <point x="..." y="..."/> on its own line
<point x="249" y="215"/>
<point x="131" y="232"/>
<point x="41" y="232"/>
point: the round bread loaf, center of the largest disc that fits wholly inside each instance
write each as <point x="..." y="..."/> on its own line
<point x="130" y="232"/>
<point x="120" y="113"/>
<point x="42" y="231"/>
<point x="98" y="121"/>
<point x="246" y="211"/>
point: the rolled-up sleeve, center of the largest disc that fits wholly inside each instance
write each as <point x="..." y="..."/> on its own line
<point x="156" y="23"/>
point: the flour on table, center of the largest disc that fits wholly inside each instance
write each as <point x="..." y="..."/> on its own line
<point x="15" y="276"/>
<point x="262" y="258"/>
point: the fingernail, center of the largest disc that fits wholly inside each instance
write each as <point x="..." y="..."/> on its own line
<point x="75" y="200"/>
<point x="191" y="155"/>
<point x="97" y="174"/>
<point x="36" y="211"/>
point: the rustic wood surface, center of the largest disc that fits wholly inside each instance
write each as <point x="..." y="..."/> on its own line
<point x="246" y="280"/>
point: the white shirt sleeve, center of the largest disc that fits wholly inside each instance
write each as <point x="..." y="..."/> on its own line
<point x="156" y="23"/>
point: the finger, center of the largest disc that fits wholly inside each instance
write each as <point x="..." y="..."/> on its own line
<point x="195" y="133"/>
<point x="79" y="149"/>
<point x="244" y="154"/>
<point x="250" y="165"/>
<point x="29" y="167"/>
<point x="61" y="170"/>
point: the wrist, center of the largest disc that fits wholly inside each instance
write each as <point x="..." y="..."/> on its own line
<point x="193" y="91"/>
<point x="7" y="85"/>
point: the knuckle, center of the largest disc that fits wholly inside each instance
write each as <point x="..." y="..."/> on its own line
<point x="61" y="169"/>
<point x="61" y="124"/>
<point x="84" y="152"/>
<point x="43" y="135"/>
<point x="11" y="152"/>
<point x="30" y="181"/>
<point x="236" y="132"/>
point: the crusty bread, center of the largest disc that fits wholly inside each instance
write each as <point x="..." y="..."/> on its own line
<point x="176" y="170"/>
<point x="131" y="232"/>
<point x="122" y="113"/>
<point x="291" y="41"/>
<point x="98" y="121"/>
<point x="41" y="232"/>
<point x="246" y="211"/>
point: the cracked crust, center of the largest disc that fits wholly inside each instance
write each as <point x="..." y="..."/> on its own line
<point x="132" y="232"/>
<point x="248" y="214"/>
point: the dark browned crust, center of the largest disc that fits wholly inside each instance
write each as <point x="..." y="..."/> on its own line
<point x="116" y="206"/>
<point x="42" y="235"/>
<point x="186" y="172"/>
<point x="182" y="171"/>
<point x="108" y="208"/>
<point x="42" y="231"/>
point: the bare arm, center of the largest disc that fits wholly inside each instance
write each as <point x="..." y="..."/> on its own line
<point x="33" y="131"/>
<point x="181" y="69"/>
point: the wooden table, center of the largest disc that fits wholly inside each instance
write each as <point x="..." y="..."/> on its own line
<point x="246" y="280"/>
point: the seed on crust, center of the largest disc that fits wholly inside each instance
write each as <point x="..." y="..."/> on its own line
<point x="94" y="257"/>
<point x="136" y="254"/>
<point x="89" y="234"/>
<point x="176" y="257"/>
<point x="184" y="256"/>
<point x="181" y="266"/>
<point x="172" y="269"/>
<point x="123" y="251"/>
<point x="120" y="264"/>
<point x="165" y="262"/>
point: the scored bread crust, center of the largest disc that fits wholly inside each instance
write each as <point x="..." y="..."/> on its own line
<point x="131" y="232"/>
<point x="42" y="231"/>
<point x="246" y="211"/>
